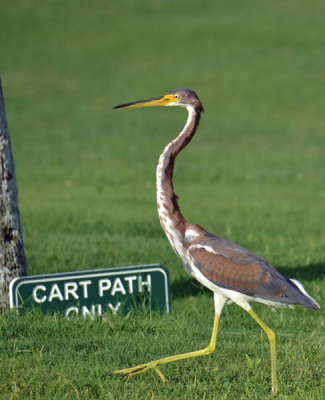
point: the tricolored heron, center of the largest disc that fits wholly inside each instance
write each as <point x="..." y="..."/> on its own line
<point x="233" y="273"/>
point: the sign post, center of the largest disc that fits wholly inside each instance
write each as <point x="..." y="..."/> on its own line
<point x="93" y="292"/>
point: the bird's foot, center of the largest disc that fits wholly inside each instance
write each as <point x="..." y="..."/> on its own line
<point x="275" y="389"/>
<point x="139" y="369"/>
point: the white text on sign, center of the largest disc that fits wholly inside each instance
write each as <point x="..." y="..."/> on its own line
<point x="79" y="290"/>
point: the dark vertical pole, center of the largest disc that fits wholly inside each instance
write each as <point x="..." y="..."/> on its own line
<point x="12" y="256"/>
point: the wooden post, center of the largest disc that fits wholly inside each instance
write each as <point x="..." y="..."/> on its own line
<point x="12" y="256"/>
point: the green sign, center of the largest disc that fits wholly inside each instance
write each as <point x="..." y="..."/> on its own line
<point x="94" y="292"/>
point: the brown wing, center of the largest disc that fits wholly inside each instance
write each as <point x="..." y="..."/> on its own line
<point x="232" y="267"/>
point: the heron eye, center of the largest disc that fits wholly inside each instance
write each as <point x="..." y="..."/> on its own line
<point x="176" y="96"/>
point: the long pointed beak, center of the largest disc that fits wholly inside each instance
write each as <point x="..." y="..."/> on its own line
<point x="157" y="101"/>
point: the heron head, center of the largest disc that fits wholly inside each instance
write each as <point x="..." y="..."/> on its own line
<point x="179" y="97"/>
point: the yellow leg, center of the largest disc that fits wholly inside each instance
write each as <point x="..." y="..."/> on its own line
<point x="272" y="340"/>
<point x="139" y="369"/>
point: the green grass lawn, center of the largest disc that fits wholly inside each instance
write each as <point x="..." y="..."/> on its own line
<point x="254" y="174"/>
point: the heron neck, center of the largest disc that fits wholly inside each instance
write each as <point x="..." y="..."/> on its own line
<point x="171" y="218"/>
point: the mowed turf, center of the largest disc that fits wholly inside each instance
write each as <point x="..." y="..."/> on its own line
<point x="86" y="175"/>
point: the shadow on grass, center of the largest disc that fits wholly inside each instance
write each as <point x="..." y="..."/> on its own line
<point x="188" y="286"/>
<point x="311" y="272"/>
